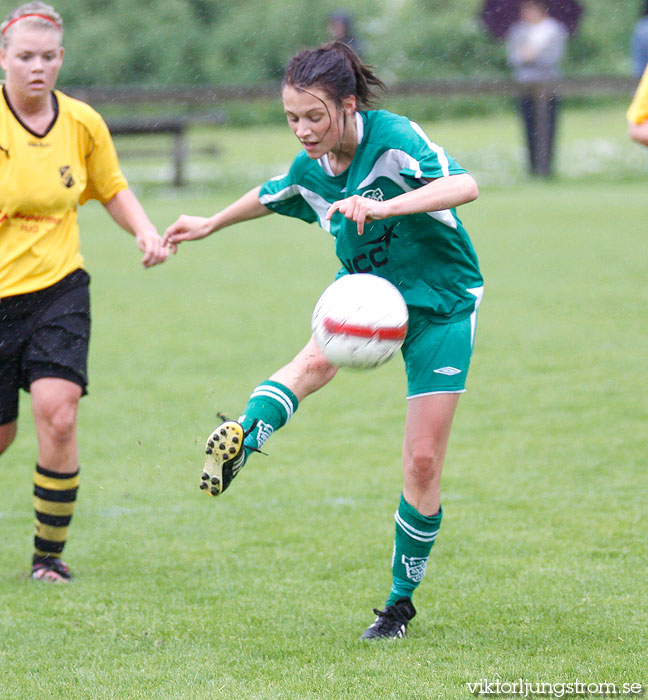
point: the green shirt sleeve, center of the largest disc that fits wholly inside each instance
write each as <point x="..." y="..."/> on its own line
<point x="432" y="161"/>
<point x="285" y="195"/>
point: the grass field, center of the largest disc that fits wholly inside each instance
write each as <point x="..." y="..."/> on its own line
<point x="540" y="571"/>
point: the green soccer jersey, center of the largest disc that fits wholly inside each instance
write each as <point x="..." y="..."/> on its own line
<point x="429" y="256"/>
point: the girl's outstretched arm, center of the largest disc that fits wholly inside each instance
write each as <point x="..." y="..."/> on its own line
<point x="191" y="228"/>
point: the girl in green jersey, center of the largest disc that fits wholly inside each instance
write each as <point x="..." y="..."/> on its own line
<point x="388" y="195"/>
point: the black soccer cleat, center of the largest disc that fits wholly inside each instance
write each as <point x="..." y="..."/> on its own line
<point x="50" y="570"/>
<point x="391" y="622"/>
<point x="225" y="457"/>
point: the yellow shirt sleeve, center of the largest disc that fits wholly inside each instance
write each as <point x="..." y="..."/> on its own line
<point x="105" y="178"/>
<point x="638" y="111"/>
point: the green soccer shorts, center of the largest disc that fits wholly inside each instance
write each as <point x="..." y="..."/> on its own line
<point x="437" y="355"/>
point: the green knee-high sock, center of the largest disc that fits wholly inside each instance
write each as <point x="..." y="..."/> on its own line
<point x="415" y="535"/>
<point x="269" y="408"/>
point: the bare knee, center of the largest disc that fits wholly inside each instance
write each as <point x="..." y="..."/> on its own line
<point x="63" y="422"/>
<point x="58" y="421"/>
<point x="55" y="402"/>
<point x="423" y="463"/>
<point x="7" y="434"/>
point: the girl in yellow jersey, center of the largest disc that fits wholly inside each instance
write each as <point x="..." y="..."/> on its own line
<point x="55" y="153"/>
<point x="637" y="113"/>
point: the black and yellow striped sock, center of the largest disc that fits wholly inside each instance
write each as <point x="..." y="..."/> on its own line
<point x="54" y="498"/>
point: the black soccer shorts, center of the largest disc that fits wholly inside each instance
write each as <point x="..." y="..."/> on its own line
<point x="44" y="334"/>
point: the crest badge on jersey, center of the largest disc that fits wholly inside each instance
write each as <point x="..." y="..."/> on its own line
<point x="66" y="176"/>
<point x="376" y="194"/>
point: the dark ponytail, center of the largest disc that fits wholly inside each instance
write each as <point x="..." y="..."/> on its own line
<point x="336" y="68"/>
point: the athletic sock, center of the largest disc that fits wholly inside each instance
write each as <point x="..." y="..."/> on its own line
<point x="269" y="408"/>
<point x="415" y="535"/>
<point x="54" y="498"/>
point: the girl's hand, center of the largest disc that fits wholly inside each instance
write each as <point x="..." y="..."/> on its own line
<point x="186" y="228"/>
<point x="359" y="209"/>
<point x="153" y="248"/>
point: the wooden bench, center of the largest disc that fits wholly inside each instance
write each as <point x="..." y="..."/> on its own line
<point x="176" y="126"/>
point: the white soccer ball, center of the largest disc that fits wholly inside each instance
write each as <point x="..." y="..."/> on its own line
<point x="360" y="321"/>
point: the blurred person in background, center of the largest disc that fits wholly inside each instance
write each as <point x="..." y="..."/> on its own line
<point x="55" y="153"/>
<point x="535" y="46"/>
<point x="639" y="43"/>
<point x="340" y="28"/>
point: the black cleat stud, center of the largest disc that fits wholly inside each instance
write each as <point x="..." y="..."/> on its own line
<point x="214" y="491"/>
<point x="208" y="451"/>
<point x="204" y="485"/>
<point x="204" y="476"/>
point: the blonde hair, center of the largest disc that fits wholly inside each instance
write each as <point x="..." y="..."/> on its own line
<point x="37" y="13"/>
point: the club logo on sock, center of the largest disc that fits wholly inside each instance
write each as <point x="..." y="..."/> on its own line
<point x="415" y="567"/>
<point x="262" y="432"/>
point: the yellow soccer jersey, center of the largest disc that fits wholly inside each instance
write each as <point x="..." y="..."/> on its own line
<point x="638" y="110"/>
<point x="42" y="180"/>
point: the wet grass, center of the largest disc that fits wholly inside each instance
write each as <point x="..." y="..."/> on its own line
<point x="539" y="573"/>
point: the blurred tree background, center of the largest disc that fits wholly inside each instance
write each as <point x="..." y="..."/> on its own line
<point x="195" y="42"/>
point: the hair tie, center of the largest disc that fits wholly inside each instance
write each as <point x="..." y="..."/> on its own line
<point x="33" y="14"/>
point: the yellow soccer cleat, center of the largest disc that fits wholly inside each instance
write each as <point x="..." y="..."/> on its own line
<point x="225" y="457"/>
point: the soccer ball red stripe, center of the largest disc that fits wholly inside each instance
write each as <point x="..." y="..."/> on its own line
<point x="384" y="333"/>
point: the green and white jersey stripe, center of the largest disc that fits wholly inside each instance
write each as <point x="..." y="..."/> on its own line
<point x="428" y="256"/>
